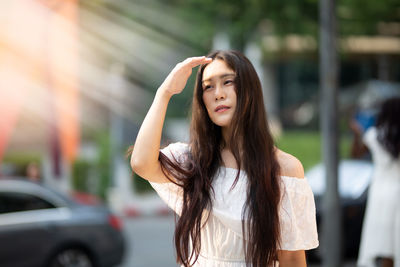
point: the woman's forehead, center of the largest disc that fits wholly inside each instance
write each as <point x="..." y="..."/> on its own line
<point x="216" y="69"/>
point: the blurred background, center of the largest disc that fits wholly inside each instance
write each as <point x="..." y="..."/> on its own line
<point x="77" y="78"/>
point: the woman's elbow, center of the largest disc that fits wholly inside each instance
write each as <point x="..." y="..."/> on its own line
<point x="145" y="168"/>
<point x="292" y="258"/>
<point x="137" y="164"/>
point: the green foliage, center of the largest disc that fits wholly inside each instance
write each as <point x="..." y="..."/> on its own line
<point x="99" y="169"/>
<point x="141" y="185"/>
<point x="362" y="17"/>
<point x="80" y="175"/>
<point x="19" y="162"/>
<point x="103" y="164"/>
<point x="292" y="16"/>
<point x="306" y="146"/>
<point x="244" y="20"/>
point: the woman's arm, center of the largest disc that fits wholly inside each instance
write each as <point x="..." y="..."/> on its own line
<point x="292" y="167"/>
<point x="358" y="148"/>
<point x="288" y="258"/>
<point x="144" y="158"/>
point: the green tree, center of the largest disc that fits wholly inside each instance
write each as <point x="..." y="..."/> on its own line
<point x="244" y="20"/>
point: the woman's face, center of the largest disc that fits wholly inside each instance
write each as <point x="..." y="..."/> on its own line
<point x="219" y="93"/>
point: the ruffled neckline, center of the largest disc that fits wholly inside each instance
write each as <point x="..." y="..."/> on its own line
<point x="228" y="202"/>
<point x="285" y="176"/>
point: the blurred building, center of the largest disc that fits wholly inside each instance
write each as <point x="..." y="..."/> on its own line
<point x="73" y="69"/>
<point x="294" y="61"/>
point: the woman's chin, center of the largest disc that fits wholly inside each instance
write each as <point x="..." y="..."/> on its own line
<point x="222" y="124"/>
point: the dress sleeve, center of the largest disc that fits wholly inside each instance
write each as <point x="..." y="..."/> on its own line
<point x="169" y="192"/>
<point x="297" y="215"/>
<point x="370" y="138"/>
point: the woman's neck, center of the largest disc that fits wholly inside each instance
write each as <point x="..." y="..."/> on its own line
<point x="228" y="159"/>
<point x="226" y="134"/>
<point x="227" y="156"/>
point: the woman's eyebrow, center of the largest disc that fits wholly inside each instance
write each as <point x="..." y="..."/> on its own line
<point x="219" y="76"/>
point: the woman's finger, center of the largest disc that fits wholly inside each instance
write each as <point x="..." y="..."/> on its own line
<point x="195" y="61"/>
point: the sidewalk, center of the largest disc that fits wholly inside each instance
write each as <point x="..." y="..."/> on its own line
<point x="347" y="263"/>
<point x="148" y="205"/>
<point x="138" y="205"/>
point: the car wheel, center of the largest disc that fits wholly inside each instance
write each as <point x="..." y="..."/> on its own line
<point x="314" y="255"/>
<point x="71" y="258"/>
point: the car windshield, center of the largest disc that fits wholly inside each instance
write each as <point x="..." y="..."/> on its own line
<point x="354" y="178"/>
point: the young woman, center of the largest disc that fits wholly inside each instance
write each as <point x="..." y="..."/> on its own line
<point x="240" y="200"/>
<point x="380" y="240"/>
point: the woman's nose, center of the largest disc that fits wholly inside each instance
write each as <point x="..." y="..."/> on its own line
<point x="219" y="92"/>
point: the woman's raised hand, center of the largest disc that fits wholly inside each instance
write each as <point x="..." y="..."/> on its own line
<point x="144" y="158"/>
<point x="177" y="79"/>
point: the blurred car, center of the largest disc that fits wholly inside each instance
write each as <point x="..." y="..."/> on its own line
<point x="40" y="227"/>
<point x="354" y="178"/>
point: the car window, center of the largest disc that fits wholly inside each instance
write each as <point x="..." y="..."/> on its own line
<point x="14" y="202"/>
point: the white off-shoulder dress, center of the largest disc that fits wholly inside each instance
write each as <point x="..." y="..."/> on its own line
<point x="381" y="228"/>
<point x="222" y="237"/>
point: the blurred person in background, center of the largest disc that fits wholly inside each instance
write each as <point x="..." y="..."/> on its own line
<point x="33" y="172"/>
<point x="358" y="125"/>
<point x="239" y="198"/>
<point x="381" y="222"/>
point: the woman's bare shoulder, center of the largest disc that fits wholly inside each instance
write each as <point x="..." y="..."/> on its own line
<point x="290" y="165"/>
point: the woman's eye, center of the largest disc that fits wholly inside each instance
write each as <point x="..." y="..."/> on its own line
<point x="206" y="87"/>
<point x="228" y="82"/>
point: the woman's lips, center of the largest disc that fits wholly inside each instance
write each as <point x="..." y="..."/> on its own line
<point x="221" y="108"/>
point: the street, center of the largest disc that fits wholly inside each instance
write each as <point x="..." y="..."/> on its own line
<point x="150" y="241"/>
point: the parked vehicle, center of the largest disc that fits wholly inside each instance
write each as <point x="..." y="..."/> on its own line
<point x="40" y="227"/>
<point x="354" y="178"/>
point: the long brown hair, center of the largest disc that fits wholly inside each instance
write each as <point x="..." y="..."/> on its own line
<point x="252" y="145"/>
<point x="388" y="126"/>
